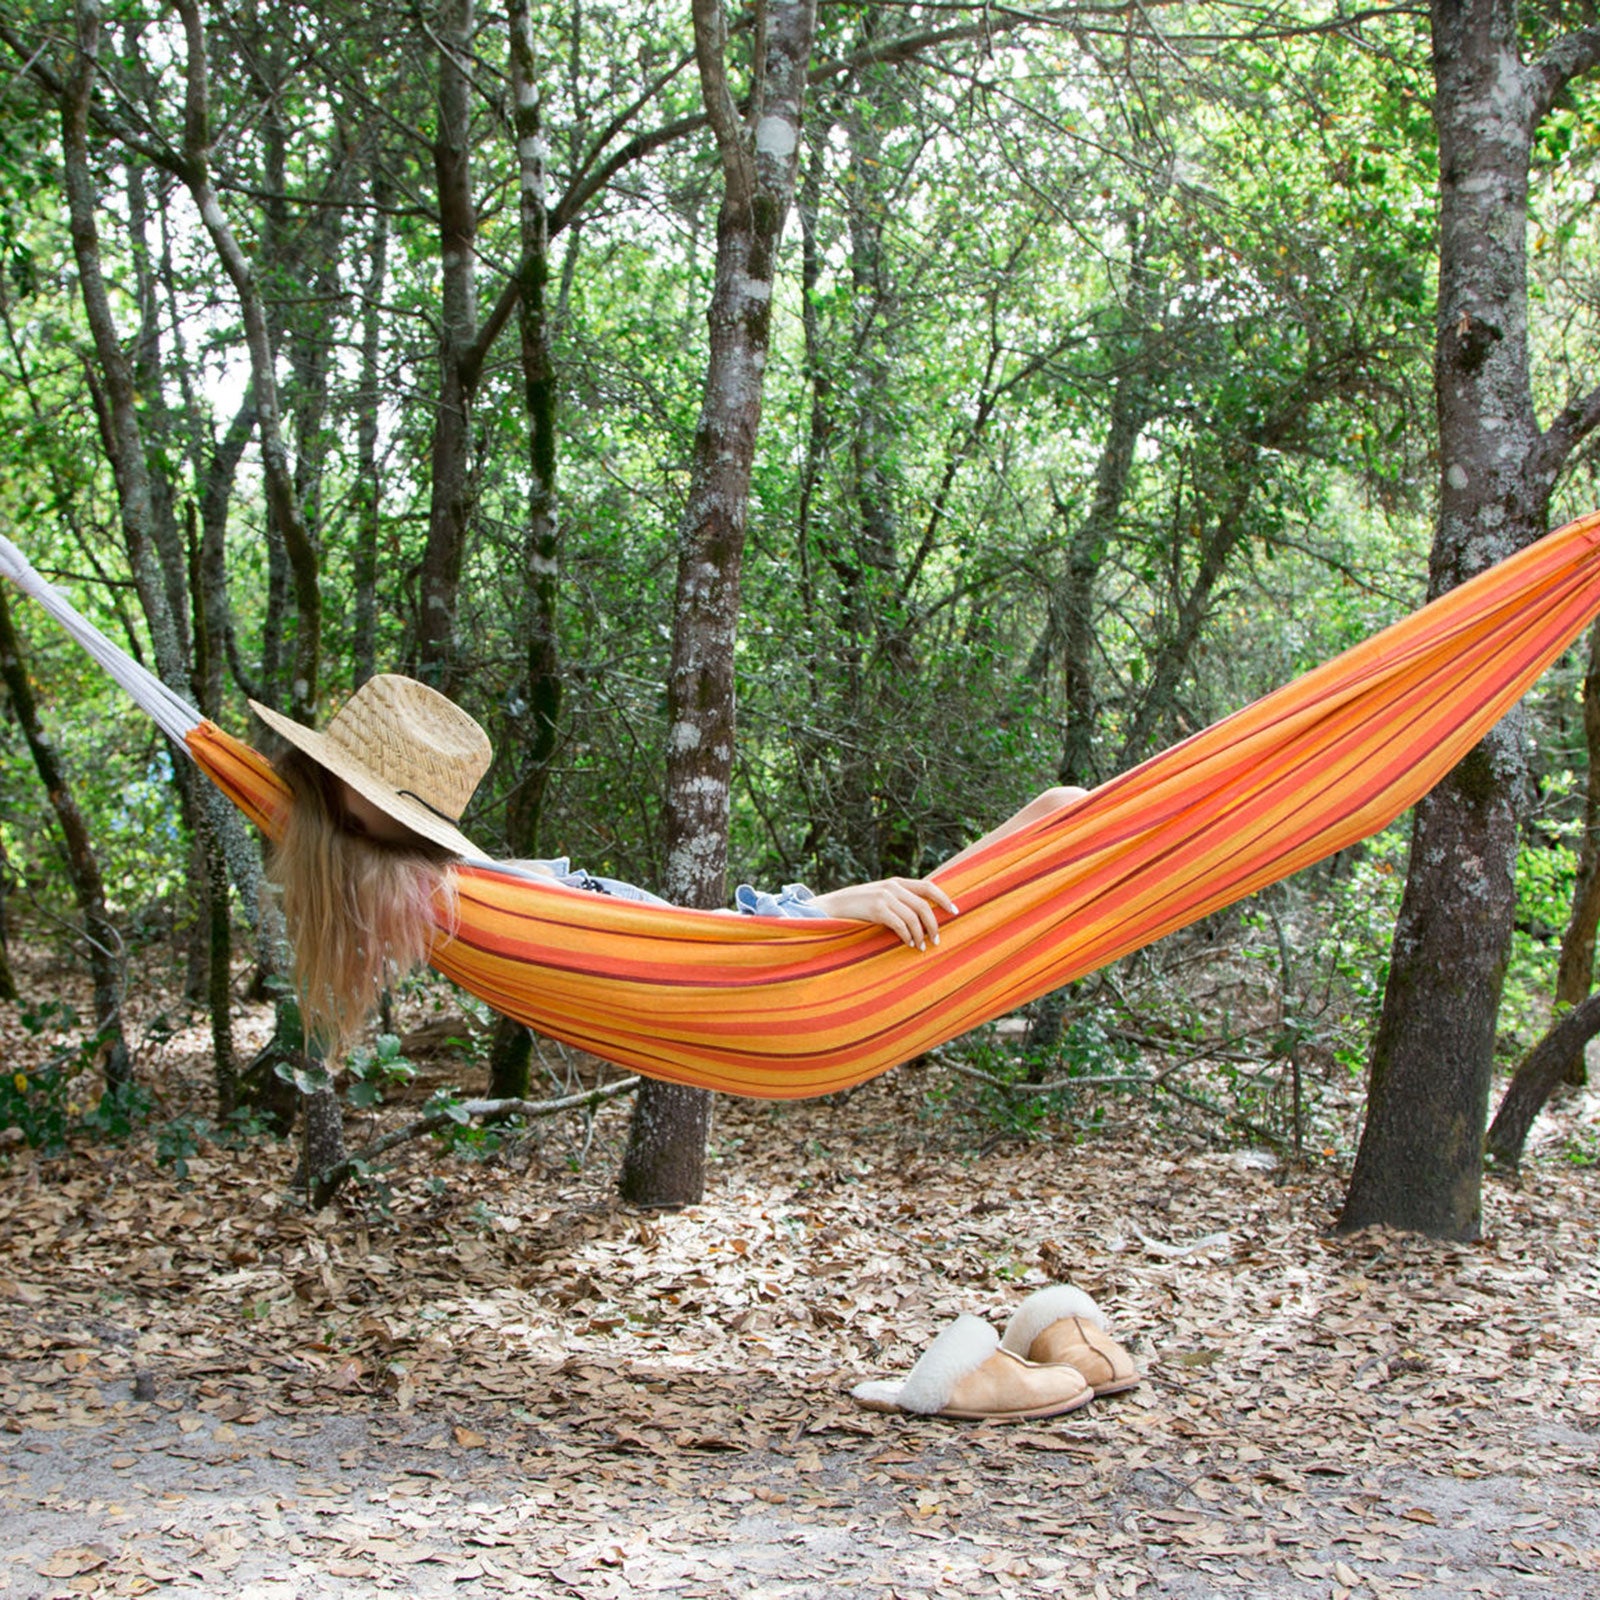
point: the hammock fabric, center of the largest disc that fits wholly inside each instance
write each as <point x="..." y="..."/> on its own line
<point x="785" y="1009"/>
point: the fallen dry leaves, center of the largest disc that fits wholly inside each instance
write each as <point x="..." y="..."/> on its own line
<point x="503" y="1379"/>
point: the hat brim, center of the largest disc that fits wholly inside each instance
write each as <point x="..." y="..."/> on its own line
<point x="402" y="808"/>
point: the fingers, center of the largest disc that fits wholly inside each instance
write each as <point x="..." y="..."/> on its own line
<point x="903" y="924"/>
<point x="924" y="920"/>
<point x="910" y="903"/>
<point x="907" y="907"/>
<point x="929" y="890"/>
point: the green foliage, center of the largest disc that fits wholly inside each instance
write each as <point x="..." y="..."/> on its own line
<point x="35" y="1105"/>
<point x="1004" y="253"/>
<point x="308" y="1074"/>
<point x="371" y="1069"/>
<point x="1546" y="872"/>
<point x="473" y="1142"/>
<point x="180" y="1139"/>
<point x="1347" y="966"/>
<point x="937" y="397"/>
<point x="460" y="1134"/>
<point x="61" y="1096"/>
<point x="1010" y="1101"/>
<point x="118" y="1113"/>
<point x="1582" y="1152"/>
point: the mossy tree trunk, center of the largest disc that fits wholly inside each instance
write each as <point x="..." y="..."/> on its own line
<point x="101" y="940"/>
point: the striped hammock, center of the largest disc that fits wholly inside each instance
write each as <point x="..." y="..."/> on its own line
<point x="784" y="1009"/>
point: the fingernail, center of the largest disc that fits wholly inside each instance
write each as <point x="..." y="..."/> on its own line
<point x="936" y="938"/>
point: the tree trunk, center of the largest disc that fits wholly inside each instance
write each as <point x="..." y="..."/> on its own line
<point x="453" y="481"/>
<point x="511" y="1050"/>
<point x="282" y="493"/>
<point x="124" y="444"/>
<point x="665" y="1162"/>
<point x="322" y="1146"/>
<point x="217" y="474"/>
<point x="1170" y="659"/>
<point x="1540" y="1073"/>
<point x="1069" y="627"/>
<point x="119" y="418"/>
<point x="1070" y="620"/>
<point x="101" y="939"/>
<point x="871" y="621"/>
<point x="1537" y="1077"/>
<point x="1575" y="970"/>
<point x="155" y="416"/>
<point x="8" y="984"/>
<point x="542" y="535"/>
<point x="368" y="489"/>
<point x="1420" y="1161"/>
<point x="819" y="422"/>
<point x="179" y="560"/>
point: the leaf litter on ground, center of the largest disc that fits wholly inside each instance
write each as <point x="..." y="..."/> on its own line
<point x="491" y="1372"/>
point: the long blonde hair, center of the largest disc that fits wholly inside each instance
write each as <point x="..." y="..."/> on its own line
<point x="360" y="913"/>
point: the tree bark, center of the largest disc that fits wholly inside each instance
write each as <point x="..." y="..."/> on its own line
<point x="179" y="560"/>
<point x="217" y="475"/>
<point x="1540" y="1073"/>
<point x="1541" y="1070"/>
<point x="453" y="481"/>
<point x="538" y="722"/>
<point x="819" y="421"/>
<point x="101" y="938"/>
<point x="369" y="488"/>
<point x="1069" y="623"/>
<point x="8" y="983"/>
<point x="322" y="1146"/>
<point x="1420" y="1161"/>
<point x="155" y="420"/>
<point x="542" y="534"/>
<point x="124" y="444"/>
<point x="1575" y="969"/>
<point x="1171" y="656"/>
<point x="119" y="416"/>
<point x="283" y="496"/>
<point x="665" y="1162"/>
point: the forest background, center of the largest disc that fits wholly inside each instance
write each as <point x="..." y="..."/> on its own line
<point x="1035" y="386"/>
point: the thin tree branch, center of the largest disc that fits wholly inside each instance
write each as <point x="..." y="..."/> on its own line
<point x="330" y="1182"/>
<point x="711" y="55"/>
<point x="1569" y="57"/>
<point x="1577" y="420"/>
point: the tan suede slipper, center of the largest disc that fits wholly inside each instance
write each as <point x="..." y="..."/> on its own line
<point x="966" y="1375"/>
<point x="1062" y="1325"/>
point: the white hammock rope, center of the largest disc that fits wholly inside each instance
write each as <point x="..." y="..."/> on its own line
<point x="171" y="712"/>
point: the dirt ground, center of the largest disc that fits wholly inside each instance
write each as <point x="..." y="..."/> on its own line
<point x="491" y="1375"/>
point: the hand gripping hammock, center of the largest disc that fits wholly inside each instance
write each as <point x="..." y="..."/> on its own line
<point x="785" y="1009"/>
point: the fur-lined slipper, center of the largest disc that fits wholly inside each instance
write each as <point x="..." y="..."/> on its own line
<point x="965" y="1374"/>
<point x="1064" y="1326"/>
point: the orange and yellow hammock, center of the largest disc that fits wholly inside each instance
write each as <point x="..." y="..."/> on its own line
<point x="784" y="1009"/>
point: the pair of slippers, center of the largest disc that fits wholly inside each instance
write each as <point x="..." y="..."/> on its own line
<point x="1054" y="1357"/>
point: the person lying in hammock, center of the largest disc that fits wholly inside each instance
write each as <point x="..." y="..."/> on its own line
<point x="373" y="829"/>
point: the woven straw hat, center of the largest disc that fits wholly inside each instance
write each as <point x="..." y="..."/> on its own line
<point x="414" y="754"/>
